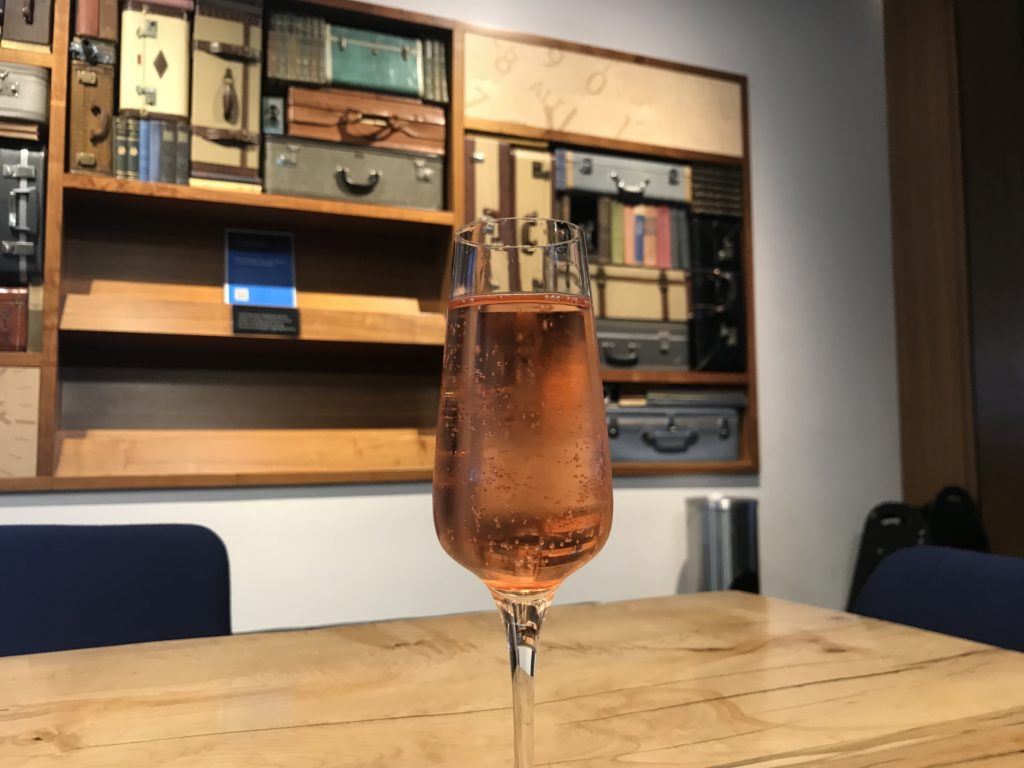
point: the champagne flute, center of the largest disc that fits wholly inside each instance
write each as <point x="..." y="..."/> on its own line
<point x="522" y="478"/>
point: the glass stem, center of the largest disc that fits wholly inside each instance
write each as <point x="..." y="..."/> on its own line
<point x="523" y="617"/>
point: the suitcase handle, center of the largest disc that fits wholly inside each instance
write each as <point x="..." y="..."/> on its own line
<point x="386" y="125"/>
<point x="28" y="11"/>
<point x="630" y="358"/>
<point x="229" y="99"/>
<point x="363" y="188"/>
<point x="636" y="189"/>
<point x="227" y="50"/>
<point x="103" y="131"/>
<point x="671" y="440"/>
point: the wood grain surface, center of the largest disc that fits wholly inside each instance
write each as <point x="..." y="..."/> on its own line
<point x="722" y="679"/>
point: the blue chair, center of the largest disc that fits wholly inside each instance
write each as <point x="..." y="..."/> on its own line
<point x="974" y="595"/>
<point x="82" y="586"/>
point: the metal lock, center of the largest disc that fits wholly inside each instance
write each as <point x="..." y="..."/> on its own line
<point x="673" y="177"/>
<point x="587" y="166"/>
<point x="148" y="94"/>
<point x="423" y="173"/>
<point x="148" y="29"/>
<point x="87" y="77"/>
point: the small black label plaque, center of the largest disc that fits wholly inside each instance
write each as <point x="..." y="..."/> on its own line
<point x="270" y="321"/>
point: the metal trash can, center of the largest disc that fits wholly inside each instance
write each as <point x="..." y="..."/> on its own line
<point x="722" y="545"/>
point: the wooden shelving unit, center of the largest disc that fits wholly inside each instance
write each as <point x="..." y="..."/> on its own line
<point x="144" y="384"/>
<point x="84" y="185"/>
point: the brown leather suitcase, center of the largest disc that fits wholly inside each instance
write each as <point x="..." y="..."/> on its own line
<point x="27" y="25"/>
<point x="97" y="19"/>
<point x="13" y="319"/>
<point x="91" y="118"/>
<point x="366" y="119"/>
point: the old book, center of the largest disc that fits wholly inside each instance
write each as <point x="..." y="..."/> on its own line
<point x="154" y="150"/>
<point x="629" y="235"/>
<point x="616" y="249"/>
<point x="19" y="131"/>
<point x="182" y="153"/>
<point x="664" y="223"/>
<point x="120" y="147"/>
<point x="442" y="51"/>
<point x="143" y="149"/>
<point x="13" y="319"/>
<point x="168" y="150"/>
<point x="604" y="214"/>
<point x="35" y="318"/>
<point x="133" y="148"/>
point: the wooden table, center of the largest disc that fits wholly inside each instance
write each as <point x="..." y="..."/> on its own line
<point x="723" y="680"/>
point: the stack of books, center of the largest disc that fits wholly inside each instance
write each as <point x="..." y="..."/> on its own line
<point x="642" y="235"/>
<point x="146" y="149"/>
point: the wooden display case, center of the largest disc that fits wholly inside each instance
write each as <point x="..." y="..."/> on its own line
<point x="144" y="384"/>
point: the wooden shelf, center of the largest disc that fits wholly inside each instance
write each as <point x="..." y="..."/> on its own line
<point x="21" y="359"/>
<point x="81" y="184"/>
<point x="518" y="130"/>
<point x="228" y="455"/>
<point x="116" y="306"/>
<point x="710" y="378"/>
<point x="738" y="467"/>
<point x="36" y="58"/>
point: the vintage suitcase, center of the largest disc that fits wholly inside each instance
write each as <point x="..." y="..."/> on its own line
<point x="717" y="336"/>
<point x="19" y="402"/>
<point x="376" y="61"/>
<point x="27" y="24"/>
<point x="639" y="293"/>
<point x="716" y="242"/>
<point x="317" y="169"/>
<point x="227" y="43"/>
<point x="678" y="426"/>
<point x="643" y="344"/>
<point x="155" y="61"/>
<point x="97" y="19"/>
<point x="91" y="109"/>
<point x="22" y="184"/>
<point x="507" y="180"/>
<point x="366" y="119"/>
<point x="24" y="93"/>
<point x="13" y="319"/>
<point x="626" y="177"/>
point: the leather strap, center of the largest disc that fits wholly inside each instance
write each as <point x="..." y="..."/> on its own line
<point x="389" y="124"/>
<point x="227" y="137"/>
<point x="227" y="50"/>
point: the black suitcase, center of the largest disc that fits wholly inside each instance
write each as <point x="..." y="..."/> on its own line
<point x="22" y="184"/>
<point x="718" y="325"/>
<point x="889" y="527"/>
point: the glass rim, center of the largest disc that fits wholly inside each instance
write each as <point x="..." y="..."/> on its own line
<point x="576" y="231"/>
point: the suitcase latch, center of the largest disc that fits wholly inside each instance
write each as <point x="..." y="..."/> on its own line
<point x="587" y="166"/>
<point x="673" y="177"/>
<point x="289" y="159"/>
<point x="148" y="29"/>
<point x="664" y="342"/>
<point x="613" y="428"/>
<point x="18" y="248"/>
<point x="479" y="157"/>
<point x="148" y="94"/>
<point x="17" y="171"/>
<point x="86" y="159"/>
<point x="13" y="87"/>
<point x="539" y="172"/>
<point x="87" y="77"/>
<point x="423" y="173"/>
<point x="723" y="429"/>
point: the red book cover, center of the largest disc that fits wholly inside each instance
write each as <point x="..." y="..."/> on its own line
<point x="664" y="237"/>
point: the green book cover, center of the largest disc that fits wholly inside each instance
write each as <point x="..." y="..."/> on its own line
<point x="615" y="226"/>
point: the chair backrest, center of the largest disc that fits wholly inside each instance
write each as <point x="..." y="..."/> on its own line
<point x="81" y="586"/>
<point x="889" y="526"/>
<point x="974" y="595"/>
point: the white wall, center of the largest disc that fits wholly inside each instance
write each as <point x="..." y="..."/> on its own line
<point x="826" y="350"/>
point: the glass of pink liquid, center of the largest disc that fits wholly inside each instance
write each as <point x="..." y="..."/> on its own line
<point x="522" y="478"/>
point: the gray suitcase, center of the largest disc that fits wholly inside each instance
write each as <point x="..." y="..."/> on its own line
<point x="355" y="174"/>
<point x="625" y="177"/>
<point x="643" y="344"/>
<point x="24" y="93"/>
<point x="21" y="231"/>
<point x="677" y="426"/>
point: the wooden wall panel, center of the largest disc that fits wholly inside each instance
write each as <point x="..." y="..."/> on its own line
<point x="991" y="66"/>
<point x="929" y="248"/>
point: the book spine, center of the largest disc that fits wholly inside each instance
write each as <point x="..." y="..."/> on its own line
<point x="650" y="236"/>
<point x="615" y="225"/>
<point x="685" y="243"/>
<point x="628" y="235"/>
<point x="133" y="147"/>
<point x="168" y="151"/>
<point x="664" y="215"/>
<point x="443" y="55"/>
<point x="604" y="214"/>
<point x="182" y="157"/>
<point x="144" y="149"/>
<point x="120" y="147"/>
<point x="155" y="137"/>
